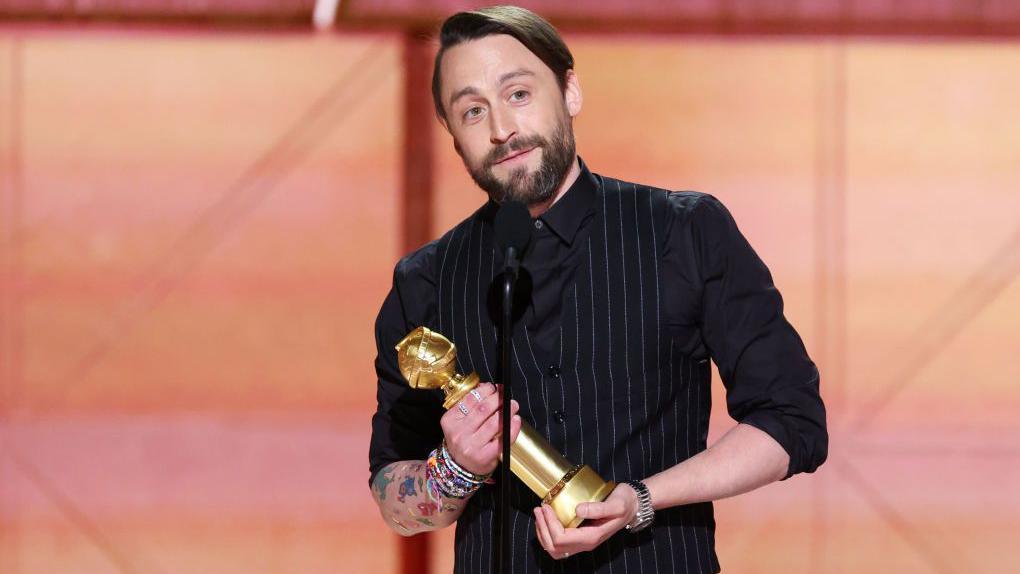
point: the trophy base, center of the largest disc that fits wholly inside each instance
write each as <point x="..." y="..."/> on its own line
<point x="581" y="484"/>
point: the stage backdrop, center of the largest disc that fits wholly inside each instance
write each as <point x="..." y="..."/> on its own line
<point x="197" y="229"/>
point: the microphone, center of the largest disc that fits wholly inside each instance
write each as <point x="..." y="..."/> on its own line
<point x="513" y="233"/>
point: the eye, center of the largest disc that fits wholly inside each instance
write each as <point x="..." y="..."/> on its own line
<point x="472" y="112"/>
<point x="519" y="96"/>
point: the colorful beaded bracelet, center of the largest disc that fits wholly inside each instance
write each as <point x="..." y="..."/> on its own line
<point x="449" y="478"/>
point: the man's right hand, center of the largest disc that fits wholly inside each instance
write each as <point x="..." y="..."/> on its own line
<point x="473" y="439"/>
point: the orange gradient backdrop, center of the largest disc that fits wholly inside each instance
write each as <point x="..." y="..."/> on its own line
<point x="197" y="229"/>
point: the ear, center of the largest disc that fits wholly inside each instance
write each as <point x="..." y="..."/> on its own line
<point x="572" y="94"/>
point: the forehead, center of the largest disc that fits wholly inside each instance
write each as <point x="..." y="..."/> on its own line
<point x="480" y="63"/>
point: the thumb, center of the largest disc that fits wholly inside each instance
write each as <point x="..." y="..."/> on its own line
<point x="593" y="510"/>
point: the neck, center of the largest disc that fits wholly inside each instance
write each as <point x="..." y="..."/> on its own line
<point x="538" y="209"/>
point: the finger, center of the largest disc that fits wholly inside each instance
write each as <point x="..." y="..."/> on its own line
<point x="494" y="447"/>
<point x="597" y="522"/>
<point x="581" y="539"/>
<point x="603" y="528"/>
<point x="451" y="421"/>
<point x="556" y="529"/>
<point x="467" y="415"/>
<point x="549" y="521"/>
<point x="488" y="429"/>
<point x="491" y="427"/>
<point x="480" y="411"/>
<point x="571" y="541"/>
<point x="541" y="532"/>
<point x="595" y="510"/>
<point x="480" y="392"/>
<point x="515" y="428"/>
<point x="486" y="389"/>
<point x="470" y="446"/>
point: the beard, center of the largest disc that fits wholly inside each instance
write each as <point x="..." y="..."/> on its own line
<point x="528" y="188"/>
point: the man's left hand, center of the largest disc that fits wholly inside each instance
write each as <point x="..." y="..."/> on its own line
<point x="602" y="520"/>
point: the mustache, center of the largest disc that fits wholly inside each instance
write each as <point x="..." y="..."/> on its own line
<point x="517" y="144"/>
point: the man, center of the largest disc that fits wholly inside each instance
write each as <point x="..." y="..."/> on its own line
<point x="629" y="291"/>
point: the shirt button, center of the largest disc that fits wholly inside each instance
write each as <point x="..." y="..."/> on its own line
<point x="538" y="224"/>
<point x="560" y="416"/>
<point x="554" y="371"/>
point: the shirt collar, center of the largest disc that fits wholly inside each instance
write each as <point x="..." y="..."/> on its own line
<point x="564" y="218"/>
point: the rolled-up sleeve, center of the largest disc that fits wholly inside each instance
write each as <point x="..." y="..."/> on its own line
<point x="770" y="381"/>
<point x="405" y="425"/>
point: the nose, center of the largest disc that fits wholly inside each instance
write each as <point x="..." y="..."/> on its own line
<point x="501" y="126"/>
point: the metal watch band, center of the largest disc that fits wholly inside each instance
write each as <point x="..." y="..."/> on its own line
<point x="645" y="513"/>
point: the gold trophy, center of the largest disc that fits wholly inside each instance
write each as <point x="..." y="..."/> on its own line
<point x="427" y="361"/>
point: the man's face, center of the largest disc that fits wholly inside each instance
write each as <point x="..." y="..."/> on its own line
<point x="510" y="121"/>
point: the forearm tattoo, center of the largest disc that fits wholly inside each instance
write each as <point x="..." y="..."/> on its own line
<point x="407" y="500"/>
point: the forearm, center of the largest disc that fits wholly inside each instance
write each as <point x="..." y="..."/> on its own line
<point x="407" y="502"/>
<point x="744" y="459"/>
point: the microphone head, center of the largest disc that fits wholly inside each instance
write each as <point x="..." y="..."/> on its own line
<point x="513" y="226"/>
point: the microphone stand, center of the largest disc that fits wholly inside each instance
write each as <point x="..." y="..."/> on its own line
<point x="506" y="334"/>
<point x="512" y="233"/>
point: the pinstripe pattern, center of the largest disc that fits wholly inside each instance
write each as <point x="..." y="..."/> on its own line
<point x="676" y="436"/>
<point x="538" y="369"/>
<point x="577" y="373"/>
<point x="658" y="353"/>
<point x="626" y="385"/>
<point x="594" y="377"/>
<point x="690" y="383"/>
<point x="470" y="549"/>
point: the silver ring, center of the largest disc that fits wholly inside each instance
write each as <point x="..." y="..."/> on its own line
<point x="464" y="410"/>
<point x="476" y="395"/>
<point x="566" y="555"/>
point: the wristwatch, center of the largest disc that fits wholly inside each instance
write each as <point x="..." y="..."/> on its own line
<point x="645" y="513"/>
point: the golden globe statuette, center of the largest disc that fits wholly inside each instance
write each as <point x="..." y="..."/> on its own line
<point x="427" y="361"/>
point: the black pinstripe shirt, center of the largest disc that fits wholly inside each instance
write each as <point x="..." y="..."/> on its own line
<point x="629" y="291"/>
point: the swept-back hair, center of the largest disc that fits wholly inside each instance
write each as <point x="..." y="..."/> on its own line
<point x="528" y="28"/>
